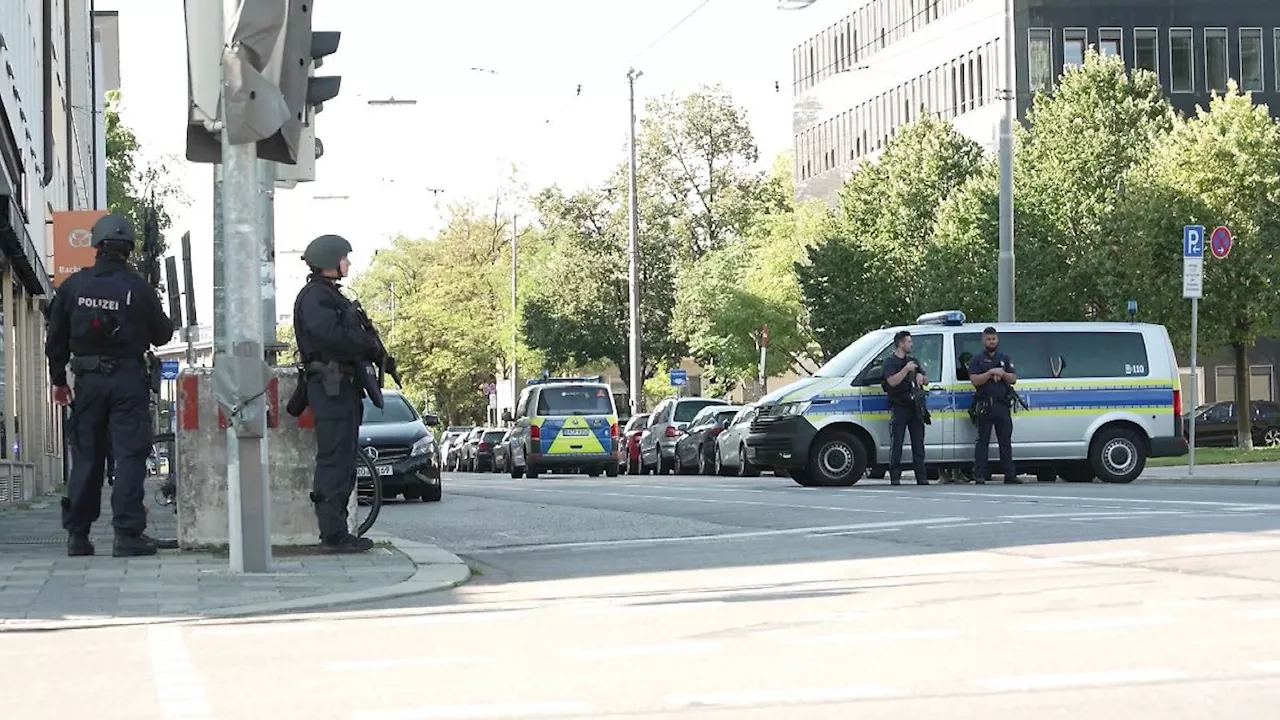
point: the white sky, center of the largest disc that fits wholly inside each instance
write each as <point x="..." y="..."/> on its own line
<point x="467" y="127"/>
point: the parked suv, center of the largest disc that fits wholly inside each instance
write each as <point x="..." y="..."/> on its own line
<point x="402" y="447"/>
<point x="666" y="425"/>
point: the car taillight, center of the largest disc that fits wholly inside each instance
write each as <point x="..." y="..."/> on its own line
<point x="673" y="431"/>
<point x="613" y="430"/>
<point x="1177" y="403"/>
<point x="535" y="432"/>
<point x="484" y="446"/>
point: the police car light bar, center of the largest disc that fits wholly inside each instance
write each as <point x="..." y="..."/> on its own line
<point x="942" y="317"/>
<point x="547" y="380"/>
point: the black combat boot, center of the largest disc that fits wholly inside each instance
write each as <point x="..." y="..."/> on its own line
<point x="133" y="546"/>
<point x="346" y="544"/>
<point x="78" y="545"/>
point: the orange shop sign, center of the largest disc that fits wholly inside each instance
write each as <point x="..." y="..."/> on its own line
<point x="72" y="251"/>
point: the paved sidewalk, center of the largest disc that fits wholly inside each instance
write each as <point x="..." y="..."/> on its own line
<point x="1265" y="474"/>
<point x="40" y="587"/>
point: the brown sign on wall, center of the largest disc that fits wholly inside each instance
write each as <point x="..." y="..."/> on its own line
<point x="72" y="251"/>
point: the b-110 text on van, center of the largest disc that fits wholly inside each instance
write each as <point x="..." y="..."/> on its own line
<point x="1103" y="398"/>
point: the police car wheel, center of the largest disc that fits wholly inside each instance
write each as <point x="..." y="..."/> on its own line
<point x="1117" y="455"/>
<point x="838" y="459"/>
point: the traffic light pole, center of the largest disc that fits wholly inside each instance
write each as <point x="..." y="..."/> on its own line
<point x="247" y="476"/>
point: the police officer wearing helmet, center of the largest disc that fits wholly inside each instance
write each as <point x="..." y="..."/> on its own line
<point x="335" y="350"/>
<point x="101" y="323"/>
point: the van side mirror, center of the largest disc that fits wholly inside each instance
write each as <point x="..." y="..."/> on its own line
<point x="506" y="416"/>
<point x="430" y="420"/>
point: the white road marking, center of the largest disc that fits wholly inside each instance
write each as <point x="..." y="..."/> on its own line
<point x="1107" y="514"/>
<point x="779" y="697"/>
<point x="178" y="686"/>
<point x="1228" y="546"/>
<point x="851" y="638"/>
<point x="1096" y="557"/>
<point x="1203" y="503"/>
<point x="639" y="650"/>
<point x="857" y="532"/>
<point x="460" y="712"/>
<point x="1126" y="516"/>
<point x="972" y="524"/>
<point x="1115" y="677"/>
<point x="640" y="542"/>
<point x="438" y="661"/>
<point x="1096" y="624"/>
<point x="717" y="501"/>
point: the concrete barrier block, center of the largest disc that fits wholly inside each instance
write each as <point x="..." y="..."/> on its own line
<point x="202" y="437"/>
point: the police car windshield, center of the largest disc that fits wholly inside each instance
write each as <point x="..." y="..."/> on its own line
<point x="842" y="365"/>
<point x="575" y="401"/>
<point x="395" y="410"/>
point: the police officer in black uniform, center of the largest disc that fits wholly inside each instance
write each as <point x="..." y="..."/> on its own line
<point x="336" y="351"/>
<point x="993" y="376"/>
<point x="901" y="374"/>
<point x="102" y="322"/>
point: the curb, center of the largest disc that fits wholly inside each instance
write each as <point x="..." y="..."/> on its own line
<point x="1253" y="482"/>
<point x="434" y="569"/>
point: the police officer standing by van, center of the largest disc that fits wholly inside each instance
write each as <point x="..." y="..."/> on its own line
<point x="993" y="376"/>
<point x="902" y="375"/>
<point x="102" y="322"/>
<point x="336" y="351"/>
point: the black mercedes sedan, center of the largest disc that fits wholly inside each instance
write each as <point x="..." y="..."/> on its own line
<point x="402" y="447"/>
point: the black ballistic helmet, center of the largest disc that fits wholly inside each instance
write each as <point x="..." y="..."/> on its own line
<point x="112" y="228"/>
<point x="326" y="251"/>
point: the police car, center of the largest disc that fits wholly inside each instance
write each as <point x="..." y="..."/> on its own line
<point x="1101" y="397"/>
<point x="564" y="425"/>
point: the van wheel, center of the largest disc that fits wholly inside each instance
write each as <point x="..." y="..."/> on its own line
<point x="1117" y="455"/>
<point x="611" y="470"/>
<point x="838" y="459"/>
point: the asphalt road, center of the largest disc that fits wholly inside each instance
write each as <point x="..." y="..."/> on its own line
<point x="748" y="598"/>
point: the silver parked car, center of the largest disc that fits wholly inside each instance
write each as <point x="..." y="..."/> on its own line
<point x="731" y="446"/>
<point x="666" y="426"/>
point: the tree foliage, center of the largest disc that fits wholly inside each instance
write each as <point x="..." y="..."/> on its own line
<point x="133" y="181"/>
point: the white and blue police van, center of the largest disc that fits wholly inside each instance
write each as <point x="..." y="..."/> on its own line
<point x="1101" y="397"/>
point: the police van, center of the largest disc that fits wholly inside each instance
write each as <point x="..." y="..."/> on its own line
<point x="1101" y="399"/>
<point x="564" y="425"/>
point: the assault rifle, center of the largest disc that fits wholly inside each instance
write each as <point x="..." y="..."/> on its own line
<point x="151" y="271"/>
<point x="385" y="362"/>
<point x="920" y="394"/>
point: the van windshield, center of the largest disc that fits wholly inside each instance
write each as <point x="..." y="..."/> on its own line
<point x="842" y="365"/>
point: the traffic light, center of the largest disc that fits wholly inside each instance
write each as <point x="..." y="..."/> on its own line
<point x="291" y="49"/>
<point x="319" y="89"/>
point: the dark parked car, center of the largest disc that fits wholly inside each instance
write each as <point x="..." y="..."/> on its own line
<point x="696" y="449"/>
<point x="478" y="453"/>
<point x="402" y="447"/>
<point x="1216" y="424"/>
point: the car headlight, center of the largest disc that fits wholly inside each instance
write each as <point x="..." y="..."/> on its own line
<point x="798" y="408"/>
<point x="423" y="446"/>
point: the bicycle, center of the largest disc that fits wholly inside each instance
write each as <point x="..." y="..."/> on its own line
<point x="368" y="485"/>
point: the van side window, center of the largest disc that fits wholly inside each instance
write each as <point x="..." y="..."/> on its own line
<point x="927" y="349"/>
<point x="1067" y="355"/>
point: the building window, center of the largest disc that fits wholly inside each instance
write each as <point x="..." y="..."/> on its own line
<point x="982" y="85"/>
<point x="1146" y="52"/>
<point x="1251" y="72"/>
<point x="1074" y="41"/>
<point x="1215" y="59"/>
<point x="1040" y="58"/>
<point x="1111" y="43"/>
<point x="1181" y="60"/>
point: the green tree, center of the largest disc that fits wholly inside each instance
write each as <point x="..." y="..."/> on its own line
<point x="698" y="150"/>
<point x="867" y="271"/>
<point x="1084" y="145"/>
<point x="1221" y="167"/>
<point x="132" y="180"/>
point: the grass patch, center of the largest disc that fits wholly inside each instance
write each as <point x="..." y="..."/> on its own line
<point x="1221" y="456"/>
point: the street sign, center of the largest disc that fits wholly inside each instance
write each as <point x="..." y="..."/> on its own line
<point x="169" y="369"/>
<point x="1192" y="261"/>
<point x="679" y="378"/>
<point x="764" y="336"/>
<point x="1220" y="242"/>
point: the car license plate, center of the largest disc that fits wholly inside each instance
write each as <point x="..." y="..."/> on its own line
<point x="576" y="432"/>
<point x="362" y="471"/>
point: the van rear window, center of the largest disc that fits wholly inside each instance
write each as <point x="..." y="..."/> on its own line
<point x="585" y="400"/>
<point x="1064" y="355"/>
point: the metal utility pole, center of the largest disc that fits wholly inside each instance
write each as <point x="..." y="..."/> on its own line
<point x="515" y="317"/>
<point x="219" y="266"/>
<point x="633" y="255"/>
<point x="247" y="478"/>
<point x="267" y="223"/>
<point x="1005" y="284"/>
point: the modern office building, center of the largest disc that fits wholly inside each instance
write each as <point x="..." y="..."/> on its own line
<point x="869" y="67"/>
<point x="52" y="159"/>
